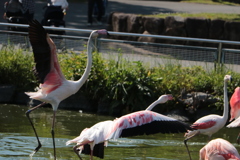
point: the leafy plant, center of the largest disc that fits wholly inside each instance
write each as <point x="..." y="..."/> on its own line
<point x="122" y="86"/>
<point x="15" y="68"/>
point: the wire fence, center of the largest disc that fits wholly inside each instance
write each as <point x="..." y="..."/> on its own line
<point x="151" y="53"/>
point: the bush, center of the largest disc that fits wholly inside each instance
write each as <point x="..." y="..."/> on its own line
<point x="15" y="68"/>
<point x="122" y="85"/>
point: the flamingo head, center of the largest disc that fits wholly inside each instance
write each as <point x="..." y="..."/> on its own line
<point x="235" y="104"/>
<point x="227" y="78"/>
<point x="164" y="98"/>
<point x="96" y="33"/>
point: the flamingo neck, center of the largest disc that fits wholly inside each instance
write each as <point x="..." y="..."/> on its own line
<point x="225" y="102"/>
<point x="152" y="106"/>
<point x="86" y="73"/>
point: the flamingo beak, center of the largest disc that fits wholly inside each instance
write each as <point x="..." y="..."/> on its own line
<point x="170" y="97"/>
<point x="103" y="32"/>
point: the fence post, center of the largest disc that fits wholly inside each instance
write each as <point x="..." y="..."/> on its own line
<point x="219" y="58"/>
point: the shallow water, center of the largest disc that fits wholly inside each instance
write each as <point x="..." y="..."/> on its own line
<point x="18" y="140"/>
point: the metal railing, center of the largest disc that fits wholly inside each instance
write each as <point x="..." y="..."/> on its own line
<point x="152" y="53"/>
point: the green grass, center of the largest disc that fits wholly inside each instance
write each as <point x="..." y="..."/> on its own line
<point x="218" y="2"/>
<point x="223" y="16"/>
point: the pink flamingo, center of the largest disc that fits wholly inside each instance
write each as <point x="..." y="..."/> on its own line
<point x="219" y="149"/>
<point x="210" y="124"/>
<point x="235" y="111"/>
<point x="137" y="123"/>
<point x="92" y="140"/>
<point x="53" y="85"/>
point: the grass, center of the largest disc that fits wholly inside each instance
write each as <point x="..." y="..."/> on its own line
<point x="223" y="16"/>
<point x="218" y="2"/>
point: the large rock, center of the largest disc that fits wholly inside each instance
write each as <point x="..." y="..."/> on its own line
<point x="197" y="28"/>
<point x="232" y="32"/>
<point x="175" y="26"/>
<point x="153" y="25"/>
<point x="216" y="30"/>
<point x="119" y="23"/>
<point x="134" y="25"/>
<point x="147" y="39"/>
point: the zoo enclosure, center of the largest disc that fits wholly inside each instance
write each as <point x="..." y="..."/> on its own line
<point x="151" y="53"/>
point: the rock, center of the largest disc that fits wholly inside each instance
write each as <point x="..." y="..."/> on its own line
<point x="134" y="26"/>
<point x="153" y="25"/>
<point x="232" y="32"/>
<point x="196" y="100"/>
<point x="175" y="26"/>
<point x="193" y="27"/>
<point x="216" y="29"/>
<point x="119" y="23"/>
<point x="197" y="28"/>
<point x="147" y="39"/>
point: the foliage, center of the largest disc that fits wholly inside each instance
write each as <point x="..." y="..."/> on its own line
<point x="15" y="67"/>
<point x="122" y="85"/>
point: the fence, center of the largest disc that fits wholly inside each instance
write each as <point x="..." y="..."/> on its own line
<point x="151" y="53"/>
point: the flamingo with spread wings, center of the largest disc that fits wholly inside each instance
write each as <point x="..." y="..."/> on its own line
<point x="133" y="124"/>
<point x="210" y="124"/>
<point x="53" y="85"/>
<point x="219" y="149"/>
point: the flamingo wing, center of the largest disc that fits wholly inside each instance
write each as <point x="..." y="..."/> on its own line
<point x="235" y="123"/>
<point x="203" y="125"/>
<point x="235" y="104"/>
<point x="47" y="69"/>
<point x="41" y="50"/>
<point x="146" y="122"/>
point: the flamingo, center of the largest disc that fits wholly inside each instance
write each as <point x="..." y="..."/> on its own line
<point x="53" y="86"/>
<point x="235" y="111"/>
<point x="137" y="123"/>
<point x="219" y="149"/>
<point x="210" y="124"/>
<point x="96" y="135"/>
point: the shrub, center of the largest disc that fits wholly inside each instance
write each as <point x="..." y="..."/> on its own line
<point x="122" y="85"/>
<point x="15" y="67"/>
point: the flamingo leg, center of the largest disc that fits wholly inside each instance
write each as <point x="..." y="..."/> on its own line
<point x="91" y="158"/>
<point x="27" y="114"/>
<point x="238" y="138"/>
<point x="52" y="132"/>
<point x="185" y="142"/>
<point x="75" y="149"/>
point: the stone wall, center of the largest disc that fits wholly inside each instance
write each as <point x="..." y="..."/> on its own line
<point x="174" y="26"/>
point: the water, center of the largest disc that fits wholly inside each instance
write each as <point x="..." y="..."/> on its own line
<point x="18" y="140"/>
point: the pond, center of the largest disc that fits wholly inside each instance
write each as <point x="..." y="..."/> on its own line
<point x="18" y="140"/>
